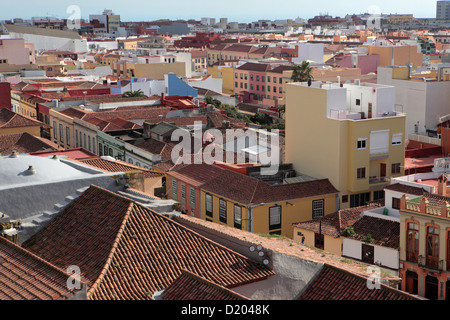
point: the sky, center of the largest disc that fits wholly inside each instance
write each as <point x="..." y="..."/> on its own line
<point x="234" y="10"/>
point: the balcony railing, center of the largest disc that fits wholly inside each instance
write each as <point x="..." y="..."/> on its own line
<point x="412" y="256"/>
<point x="377" y="179"/>
<point x="432" y="262"/>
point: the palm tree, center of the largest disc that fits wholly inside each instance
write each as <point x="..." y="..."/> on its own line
<point x="302" y="73"/>
<point x="133" y="94"/>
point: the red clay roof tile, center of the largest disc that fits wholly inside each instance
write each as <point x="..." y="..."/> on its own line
<point x="127" y="251"/>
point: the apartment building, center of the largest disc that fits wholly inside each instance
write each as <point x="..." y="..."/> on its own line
<point x="349" y="134"/>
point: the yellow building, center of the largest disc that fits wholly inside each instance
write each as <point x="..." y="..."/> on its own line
<point x="13" y="123"/>
<point x="240" y="201"/>
<point x="326" y="233"/>
<point x="349" y="134"/>
<point x="226" y="73"/>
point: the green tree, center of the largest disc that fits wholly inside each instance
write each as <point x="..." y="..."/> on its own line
<point x="301" y="73"/>
<point x="134" y="94"/>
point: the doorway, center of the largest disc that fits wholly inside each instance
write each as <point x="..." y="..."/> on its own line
<point x="367" y="253"/>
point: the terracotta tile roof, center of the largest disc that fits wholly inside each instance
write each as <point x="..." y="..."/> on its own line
<point x="398" y="187"/>
<point x="130" y="113"/>
<point x="250" y="66"/>
<point x="116" y="166"/>
<point x="334" y="223"/>
<point x="25" y="276"/>
<point x="127" y="251"/>
<point x="240" y="48"/>
<point x="384" y="232"/>
<point x="151" y="145"/>
<point x="24" y="143"/>
<point x="10" y="119"/>
<point x="196" y="174"/>
<point x="215" y="120"/>
<point x="249" y="190"/>
<point x="189" y="286"/>
<point x="336" y="284"/>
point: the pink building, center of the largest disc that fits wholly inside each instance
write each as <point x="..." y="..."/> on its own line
<point x="15" y="51"/>
<point x="367" y="63"/>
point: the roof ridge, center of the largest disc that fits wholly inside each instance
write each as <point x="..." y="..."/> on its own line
<point x="364" y="278"/>
<point x="113" y="248"/>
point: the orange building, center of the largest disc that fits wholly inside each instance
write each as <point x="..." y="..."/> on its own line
<point x="425" y="244"/>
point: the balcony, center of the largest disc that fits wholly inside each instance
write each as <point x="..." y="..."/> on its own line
<point x="412" y="257"/>
<point x="373" y="180"/>
<point x="432" y="262"/>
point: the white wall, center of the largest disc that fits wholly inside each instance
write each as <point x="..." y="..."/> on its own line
<point x="209" y="83"/>
<point x="388" y="257"/>
<point x="309" y="51"/>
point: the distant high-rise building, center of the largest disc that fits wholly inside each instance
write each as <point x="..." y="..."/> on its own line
<point x="443" y="10"/>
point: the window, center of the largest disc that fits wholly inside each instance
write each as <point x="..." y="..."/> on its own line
<point x="100" y="149"/>
<point x="81" y="142"/>
<point x="105" y="149"/>
<point x="222" y="211"/>
<point x="412" y="246"/>
<point x="396" y="203"/>
<point x="274" y="218"/>
<point x="268" y="78"/>
<point x="268" y="88"/>
<point x="262" y="78"/>
<point x="236" y="84"/>
<point x="395" y="168"/>
<point x="361" y="144"/>
<point x="358" y="102"/>
<point x="61" y="136"/>
<point x="241" y="85"/>
<point x="357" y="200"/>
<point x="275" y="89"/>
<point x="432" y="259"/>
<point x="209" y="205"/>
<point x="76" y="138"/>
<point x="237" y="217"/>
<point x="110" y="150"/>
<point x="345" y="198"/>
<point x="397" y="139"/>
<point x="360" y="173"/>
<point x="377" y="195"/>
<point x="379" y="141"/>
<point x="257" y="78"/>
<point x="89" y="143"/>
<point x="192" y="197"/>
<point x="317" y="208"/>
<point x="242" y="76"/>
<point x="280" y="80"/>
<point x="174" y="189"/>
<point x="257" y="87"/>
<point x="183" y="192"/>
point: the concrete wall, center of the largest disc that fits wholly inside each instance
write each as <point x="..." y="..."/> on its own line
<point x="21" y="202"/>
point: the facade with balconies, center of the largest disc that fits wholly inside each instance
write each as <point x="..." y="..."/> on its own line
<point x="348" y="133"/>
<point x="424" y="245"/>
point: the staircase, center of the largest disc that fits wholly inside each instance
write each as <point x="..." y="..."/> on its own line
<point x="36" y="222"/>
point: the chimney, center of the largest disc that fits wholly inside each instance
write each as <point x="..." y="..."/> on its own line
<point x="442" y="185"/>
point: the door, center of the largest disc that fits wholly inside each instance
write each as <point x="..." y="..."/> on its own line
<point x="367" y="253"/>
<point x="370" y="111"/>
<point x="382" y="170"/>
<point x="431" y="287"/>
<point x="411" y="282"/>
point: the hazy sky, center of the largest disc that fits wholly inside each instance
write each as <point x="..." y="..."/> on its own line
<point x="234" y="10"/>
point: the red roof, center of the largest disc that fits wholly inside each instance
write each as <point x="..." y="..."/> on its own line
<point x="337" y="284"/>
<point x="10" y="119"/>
<point x="127" y="251"/>
<point x="189" y="286"/>
<point x="24" y="143"/>
<point x="25" y="276"/>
